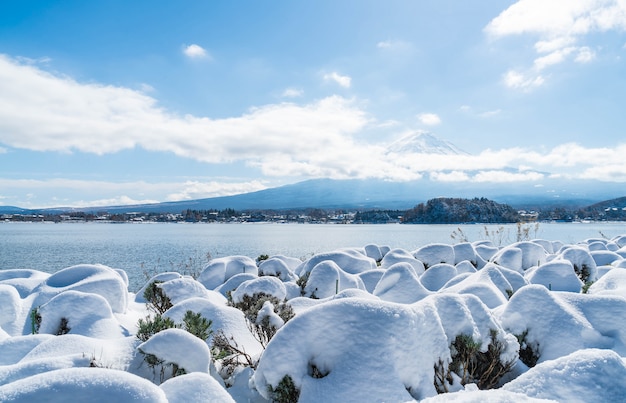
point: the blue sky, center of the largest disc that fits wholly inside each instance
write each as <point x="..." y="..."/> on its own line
<point x="117" y="102"/>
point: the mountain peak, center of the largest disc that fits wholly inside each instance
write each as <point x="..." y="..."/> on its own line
<point x="422" y="142"/>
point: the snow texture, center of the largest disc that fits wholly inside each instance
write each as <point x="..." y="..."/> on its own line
<point x="374" y="335"/>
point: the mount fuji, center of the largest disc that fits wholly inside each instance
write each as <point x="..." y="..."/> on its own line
<point x="423" y="142"/>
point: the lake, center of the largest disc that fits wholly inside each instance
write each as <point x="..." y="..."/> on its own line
<point x="144" y="249"/>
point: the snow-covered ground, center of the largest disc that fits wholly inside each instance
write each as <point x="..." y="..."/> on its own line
<point x="544" y="321"/>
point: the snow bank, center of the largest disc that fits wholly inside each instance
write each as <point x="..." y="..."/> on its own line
<point x="82" y="385"/>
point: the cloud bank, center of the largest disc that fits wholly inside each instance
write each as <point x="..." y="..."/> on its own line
<point x="47" y="112"/>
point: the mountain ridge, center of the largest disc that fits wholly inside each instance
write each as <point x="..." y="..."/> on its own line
<point x="373" y="194"/>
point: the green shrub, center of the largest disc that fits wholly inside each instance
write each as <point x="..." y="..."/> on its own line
<point x="285" y="391"/>
<point x="63" y="327"/>
<point x="528" y="352"/>
<point x="261" y="258"/>
<point x="197" y="325"/>
<point x="155" y="298"/>
<point x="262" y="330"/>
<point x="471" y="365"/>
<point x="150" y="326"/>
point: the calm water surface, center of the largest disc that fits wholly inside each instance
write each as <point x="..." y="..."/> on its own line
<point x="139" y="248"/>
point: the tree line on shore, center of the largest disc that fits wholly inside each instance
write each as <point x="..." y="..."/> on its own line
<point x="435" y="211"/>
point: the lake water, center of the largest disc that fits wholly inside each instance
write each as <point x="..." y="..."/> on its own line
<point x="143" y="249"/>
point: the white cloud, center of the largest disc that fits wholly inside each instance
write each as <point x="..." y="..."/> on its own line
<point x="194" y="51"/>
<point x="560" y="26"/>
<point x="490" y="114"/>
<point x="133" y="192"/>
<point x="515" y="79"/>
<point x="585" y="55"/>
<point x="504" y="176"/>
<point x="292" y="93"/>
<point x="429" y="119"/>
<point x="200" y="190"/>
<point x="43" y="112"/>
<point x="395" y="45"/>
<point x="344" y="81"/>
<point x="555" y="57"/>
<point x="454" y="176"/>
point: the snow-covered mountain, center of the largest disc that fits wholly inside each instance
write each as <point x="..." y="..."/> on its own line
<point x="422" y="142"/>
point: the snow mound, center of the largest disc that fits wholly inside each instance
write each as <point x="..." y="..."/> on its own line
<point x="89" y="278"/>
<point x="277" y="267"/>
<point x="180" y="289"/>
<point x="604" y="257"/>
<point x="373" y="251"/>
<point x="556" y="275"/>
<point x="15" y="348"/>
<point x="400" y="284"/>
<point x="349" y="260"/>
<point x="266" y="284"/>
<point x="402" y="256"/>
<point x="24" y="280"/>
<point x="437" y="275"/>
<point x="85" y="314"/>
<point x="161" y="278"/>
<point x="221" y="269"/>
<point x="195" y="387"/>
<point x="371" y="278"/>
<point x="581" y="260"/>
<point x="235" y="281"/>
<point x="408" y="340"/>
<point x="612" y="283"/>
<point x="11" y="304"/>
<point x="583" y="376"/>
<point x="179" y="347"/>
<point x="82" y="385"/>
<point x="227" y="319"/>
<point x="327" y="279"/>
<point x="484" y="396"/>
<point x="559" y="323"/>
<point x="434" y="253"/>
<point x="465" y="251"/>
